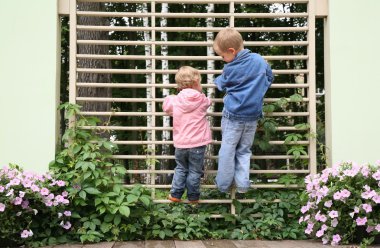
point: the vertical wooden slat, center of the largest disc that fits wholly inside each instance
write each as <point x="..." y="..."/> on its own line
<point x="312" y="83"/>
<point x="73" y="54"/>
<point x="153" y="153"/>
<point x="232" y="24"/>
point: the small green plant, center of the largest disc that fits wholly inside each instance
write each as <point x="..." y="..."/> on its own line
<point x="104" y="208"/>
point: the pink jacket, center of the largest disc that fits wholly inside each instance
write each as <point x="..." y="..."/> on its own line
<point x="190" y="126"/>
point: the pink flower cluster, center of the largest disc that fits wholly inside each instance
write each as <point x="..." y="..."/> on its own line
<point x="18" y="189"/>
<point x="330" y="193"/>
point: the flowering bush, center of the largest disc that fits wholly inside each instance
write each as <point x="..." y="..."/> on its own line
<point x="343" y="201"/>
<point x="32" y="208"/>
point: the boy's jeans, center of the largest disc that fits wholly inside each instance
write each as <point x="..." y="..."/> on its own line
<point x="188" y="172"/>
<point x="235" y="154"/>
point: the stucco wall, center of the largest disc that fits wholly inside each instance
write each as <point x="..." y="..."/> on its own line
<point x="353" y="105"/>
<point x="28" y="79"/>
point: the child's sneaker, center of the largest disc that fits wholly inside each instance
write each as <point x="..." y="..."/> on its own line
<point x="193" y="201"/>
<point x="241" y="191"/>
<point x="173" y="199"/>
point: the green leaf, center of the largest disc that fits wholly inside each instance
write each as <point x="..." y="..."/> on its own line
<point x="132" y="198"/>
<point x="124" y="210"/>
<point x="92" y="191"/>
<point x="145" y="200"/>
<point x="82" y="194"/>
<point x="109" y="145"/>
<point x="105" y="227"/>
<point x="97" y="201"/>
<point x="117" y="219"/>
<point x="296" y="98"/>
<point x="162" y="234"/>
<point x="108" y="218"/>
<point x="87" y="175"/>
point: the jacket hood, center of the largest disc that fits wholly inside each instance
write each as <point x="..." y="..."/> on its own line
<point x="189" y="100"/>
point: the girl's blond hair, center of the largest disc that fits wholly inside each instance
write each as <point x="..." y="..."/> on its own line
<point x="228" y="38"/>
<point x="187" y="77"/>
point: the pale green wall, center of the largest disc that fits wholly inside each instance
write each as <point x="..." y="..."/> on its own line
<point x="353" y="107"/>
<point x="28" y="79"/>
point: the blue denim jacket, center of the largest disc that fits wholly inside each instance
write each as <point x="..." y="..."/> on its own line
<point x="245" y="81"/>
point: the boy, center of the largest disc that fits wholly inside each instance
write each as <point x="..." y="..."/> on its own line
<point x="191" y="133"/>
<point x="246" y="77"/>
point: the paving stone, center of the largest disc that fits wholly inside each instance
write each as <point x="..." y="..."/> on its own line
<point x="189" y="244"/>
<point x="159" y="244"/>
<point x="69" y="246"/>
<point x="249" y="243"/>
<point x="219" y="244"/>
<point x="130" y="244"/>
<point x="100" y="245"/>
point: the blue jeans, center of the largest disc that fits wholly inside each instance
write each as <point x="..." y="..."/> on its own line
<point x="235" y="154"/>
<point x="188" y="172"/>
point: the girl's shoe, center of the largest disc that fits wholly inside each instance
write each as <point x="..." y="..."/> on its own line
<point x="173" y="199"/>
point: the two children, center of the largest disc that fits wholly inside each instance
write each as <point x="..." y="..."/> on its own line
<point x="246" y="77"/>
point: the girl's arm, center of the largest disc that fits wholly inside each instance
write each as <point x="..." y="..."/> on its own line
<point x="168" y="105"/>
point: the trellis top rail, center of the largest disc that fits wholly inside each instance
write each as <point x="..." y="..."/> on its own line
<point x="197" y="1"/>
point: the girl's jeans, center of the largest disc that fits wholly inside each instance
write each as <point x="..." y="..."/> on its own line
<point x="235" y="154"/>
<point x="188" y="172"/>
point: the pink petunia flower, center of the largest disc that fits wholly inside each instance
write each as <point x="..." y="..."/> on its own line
<point x="61" y="183"/>
<point x="367" y="208"/>
<point x="328" y="204"/>
<point x="376" y="175"/>
<point x="2" y="207"/>
<point x="319" y="233"/>
<point x="66" y="225"/>
<point x="333" y="214"/>
<point x="336" y="239"/>
<point x="370" y="229"/>
<point x="17" y="201"/>
<point x="361" y="221"/>
<point x="44" y="191"/>
<point x="26" y="233"/>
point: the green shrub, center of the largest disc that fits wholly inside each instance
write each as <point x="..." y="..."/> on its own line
<point x="103" y="208"/>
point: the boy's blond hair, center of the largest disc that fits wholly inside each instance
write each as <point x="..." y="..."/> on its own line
<point x="228" y="38"/>
<point x="187" y="77"/>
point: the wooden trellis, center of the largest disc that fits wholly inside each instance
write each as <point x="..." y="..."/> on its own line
<point x="150" y="35"/>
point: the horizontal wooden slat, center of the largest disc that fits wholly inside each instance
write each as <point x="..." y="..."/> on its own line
<point x="187" y="58"/>
<point x="256" y="157"/>
<point x="254" y="186"/>
<point x="159" y="142"/>
<point x="191" y="15"/>
<point x="168" y="86"/>
<point x="158" y="71"/>
<point x="214" y="171"/>
<point x="114" y="99"/>
<point x="188" y="43"/>
<point x="124" y="128"/>
<point x="190" y="29"/>
<point x="164" y="114"/>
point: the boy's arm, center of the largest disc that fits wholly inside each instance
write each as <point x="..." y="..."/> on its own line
<point x="222" y="81"/>
<point x="168" y="105"/>
<point x="269" y="74"/>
